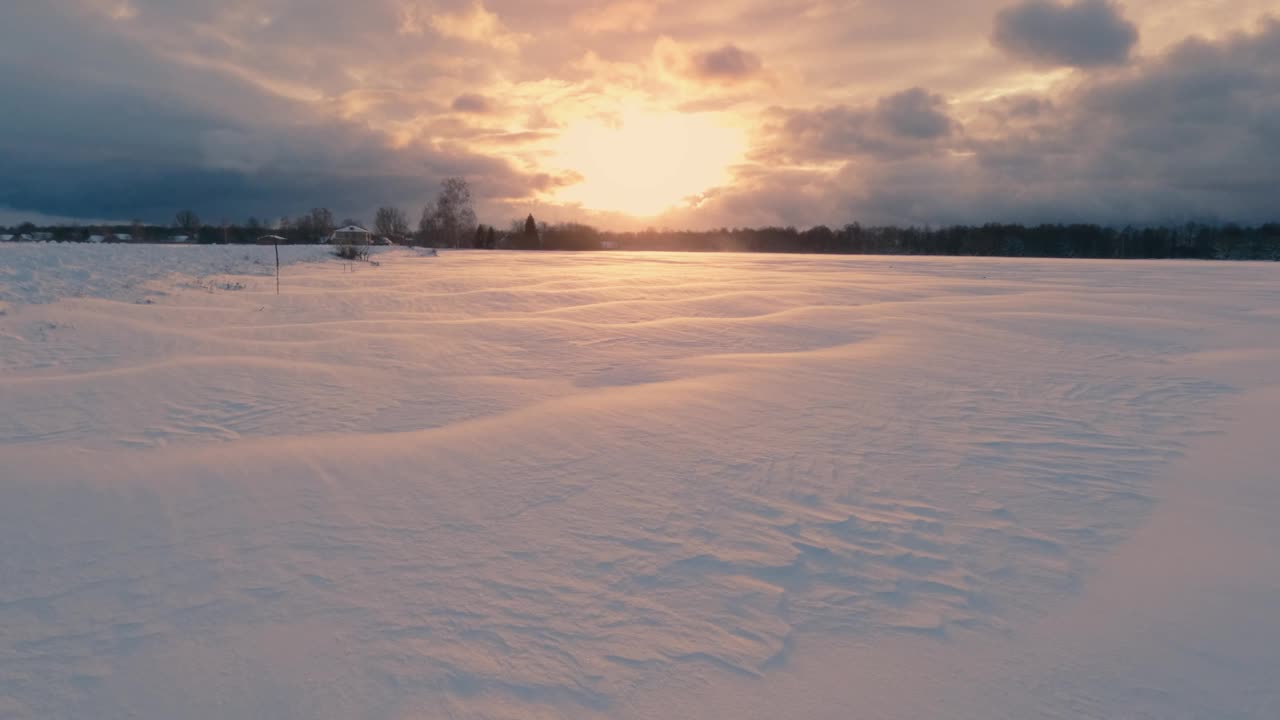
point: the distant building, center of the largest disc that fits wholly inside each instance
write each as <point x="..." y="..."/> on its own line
<point x="608" y="244"/>
<point x="6" y="238"/>
<point x="179" y="239"/>
<point x="97" y="239"/>
<point x="351" y="234"/>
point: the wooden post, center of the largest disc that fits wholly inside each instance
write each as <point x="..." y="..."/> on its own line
<point x="276" y="242"/>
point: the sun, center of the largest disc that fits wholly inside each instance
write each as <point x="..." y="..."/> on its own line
<point x="647" y="162"/>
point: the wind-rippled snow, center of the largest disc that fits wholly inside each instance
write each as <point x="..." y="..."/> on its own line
<point x="517" y="485"/>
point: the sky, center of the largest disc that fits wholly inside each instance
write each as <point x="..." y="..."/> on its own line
<point x="645" y="113"/>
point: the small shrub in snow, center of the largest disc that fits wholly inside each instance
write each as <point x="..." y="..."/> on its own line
<point x="352" y="251"/>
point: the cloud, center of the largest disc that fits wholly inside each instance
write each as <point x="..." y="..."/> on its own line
<point x="1188" y="135"/>
<point x="150" y="138"/>
<point x="694" y="74"/>
<point x="901" y="124"/>
<point x="261" y="107"/>
<point x="232" y="174"/>
<point x="729" y="63"/>
<point x="477" y="25"/>
<point x="915" y="114"/>
<point x="1079" y="33"/>
<point x="472" y="103"/>
<point x="13" y="218"/>
<point x="123" y="11"/>
<point x="625" y="16"/>
<point x="1191" y="133"/>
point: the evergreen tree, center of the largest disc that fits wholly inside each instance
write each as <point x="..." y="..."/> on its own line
<point x="531" y="238"/>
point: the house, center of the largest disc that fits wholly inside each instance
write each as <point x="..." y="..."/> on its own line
<point x="120" y="238"/>
<point x="180" y="239"/>
<point x="97" y="239"/>
<point x="6" y="238"/>
<point x="608" y="244"/>
<point x="351" y="235"/>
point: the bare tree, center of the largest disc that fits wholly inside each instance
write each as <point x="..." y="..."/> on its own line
<point x="188" y="221"/>
<point x="305" y="227"/>
<point x="391" y="222"/>
<point x="428" y="232"/>
<point x="321" y="222"/>
<point x="452" y="218"/>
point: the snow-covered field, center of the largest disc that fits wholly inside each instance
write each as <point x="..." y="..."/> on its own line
<point x="537" y="485"/>
<point x="44" y="272"/>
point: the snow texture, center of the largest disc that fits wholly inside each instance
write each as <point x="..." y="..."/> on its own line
<point x="539" y="485"/>
<point x="45" y="272"/>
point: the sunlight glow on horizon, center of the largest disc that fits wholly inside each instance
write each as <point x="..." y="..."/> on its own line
<point x="648" y="162"/>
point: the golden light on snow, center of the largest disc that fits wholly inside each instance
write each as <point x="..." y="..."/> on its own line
<point x="646" y="162"/>
<point x="558" y="485"/>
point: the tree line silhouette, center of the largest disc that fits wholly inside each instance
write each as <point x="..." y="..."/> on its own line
<point x="1192" y="240"/>
<point x="450" y="221"/>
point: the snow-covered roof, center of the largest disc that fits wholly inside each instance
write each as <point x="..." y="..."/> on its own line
<point x="97" y="238"/>
<point x="350" y="229"/>
<point x="123" y="236"/>
<point x="5" y="238"/>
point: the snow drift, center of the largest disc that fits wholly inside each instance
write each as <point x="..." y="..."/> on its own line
<point x="602" y="485"/>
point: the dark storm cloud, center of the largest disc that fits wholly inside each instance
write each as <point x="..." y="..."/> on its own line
<point x="727" y="63"/>
<point x="916" y="114"/>
<point x="1189" y="135"/>
<point x="1083" y="33"/>
<point x="327" y="165"/>
<point x="106" y="131"/>
<point x="136" y="157"/>
<point x="903" y="124"/>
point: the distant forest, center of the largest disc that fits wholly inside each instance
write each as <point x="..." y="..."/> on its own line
<point x="449" y="221"/>
<point x="1194" y="241"/>
<point x="1084" y="241"/>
